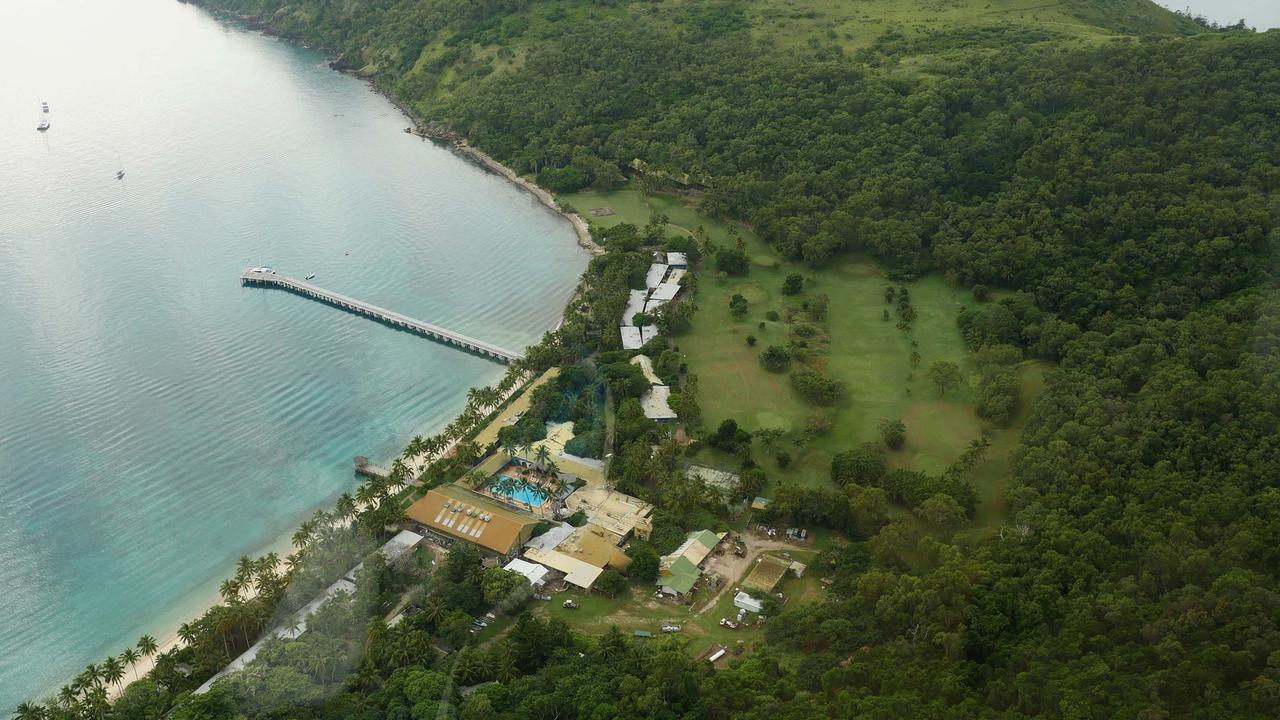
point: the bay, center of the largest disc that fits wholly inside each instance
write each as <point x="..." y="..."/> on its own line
<point x="157" y="420"/>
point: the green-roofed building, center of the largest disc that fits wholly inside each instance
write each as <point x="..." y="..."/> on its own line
<point x="678" y="577"/>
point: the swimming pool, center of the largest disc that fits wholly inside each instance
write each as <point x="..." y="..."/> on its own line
<point x="523" y="493"/>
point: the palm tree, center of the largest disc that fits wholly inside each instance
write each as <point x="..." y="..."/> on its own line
<point x="346" y="506"/>
<point x="130" y="656"/>
<point x="229" y="589"/>
<point x="542" y="456"/>
<point x="245" y="566"/>
<point x="92" y="675"/>
<point x="433" y="610"/>
<point x="186" y="633"/>
<point x="147" y="646"/>
<point x="30" y="711"/>
<point x="112" y="671"/>
<point x="302" y="536"/>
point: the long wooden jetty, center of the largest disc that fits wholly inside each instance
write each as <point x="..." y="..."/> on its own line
<point x="269" y="277"/>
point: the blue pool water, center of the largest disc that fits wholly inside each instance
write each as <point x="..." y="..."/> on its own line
<point x="524" y="494"/>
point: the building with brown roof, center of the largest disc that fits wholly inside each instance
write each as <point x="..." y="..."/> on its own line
<point x="456" y="513"/>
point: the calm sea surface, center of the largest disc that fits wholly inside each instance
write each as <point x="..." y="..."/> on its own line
<point x="156" y="419"/>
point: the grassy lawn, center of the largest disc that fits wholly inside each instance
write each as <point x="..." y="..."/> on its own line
<point x="871" y="355"/>
<point x="639" y="610"/>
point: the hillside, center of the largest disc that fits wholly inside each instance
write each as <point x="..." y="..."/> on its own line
<point x="1076" y="197"/>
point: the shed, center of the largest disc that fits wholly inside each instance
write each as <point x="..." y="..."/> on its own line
<point x="533" y="572"/>
<point x="748" y="603"/>
<point x="642" y="634"/>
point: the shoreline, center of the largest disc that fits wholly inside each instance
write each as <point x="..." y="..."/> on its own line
<point x="198" y="602"/>
<point x="434" y="132"/>
<point x="201" y="599"/>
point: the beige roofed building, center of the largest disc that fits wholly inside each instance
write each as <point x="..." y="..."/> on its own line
<point x="459" y="513"/>
<point x="616" y="512"/>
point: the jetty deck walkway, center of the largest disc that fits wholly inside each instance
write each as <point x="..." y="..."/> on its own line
<point x="268" y="277"/>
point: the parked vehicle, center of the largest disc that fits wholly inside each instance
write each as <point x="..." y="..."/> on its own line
<point x="670" y="628"/>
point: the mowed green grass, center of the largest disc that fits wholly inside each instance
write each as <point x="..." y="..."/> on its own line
<point x="871" y="355"/>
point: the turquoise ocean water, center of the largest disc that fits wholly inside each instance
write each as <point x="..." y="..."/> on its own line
<point x="156" y="419"/>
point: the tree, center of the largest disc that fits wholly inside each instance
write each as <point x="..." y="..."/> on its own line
<point x="610" y="583"/>
<point x="893" y="432"/>
<point x="945" y="375"/>
<point x="775" y="358"/>
<point x="738" y="306"/>
<point x="147" y="646"/>
<point x="751" y="340"/>
<point x="729" y="437"/>
<point x="941" y="511"/>
<point x="130" y="657"/>
<point x="793" y="285"/>
<point x="732" y="261"/>
<point x="860" y="466"/>
<point x="644" y="562"/>
<point x="816" y="388"/>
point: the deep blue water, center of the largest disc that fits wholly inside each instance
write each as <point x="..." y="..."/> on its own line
<point x="156" y="419"/>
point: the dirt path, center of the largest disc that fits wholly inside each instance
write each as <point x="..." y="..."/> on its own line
<point x="733" y="568"/>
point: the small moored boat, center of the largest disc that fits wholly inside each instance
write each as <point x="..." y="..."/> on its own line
<point x="44" y="125"/>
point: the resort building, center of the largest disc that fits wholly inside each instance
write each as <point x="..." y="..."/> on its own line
<point x="678" y="577"/>
<point x="533" y="572"/>
<point x="677" y="260"/>
<point x="657" y="273"/>
<point x="395" y="548"/>
<point x="618" y="513"/>
<point x="679" y="571"/>
<point x="655" y="399"/>
<point x="656" y="405"/>
<point x="646" y="367"/>
<point x="581" y="554"/>
<point x="511" y="414"/>
<point x="635" y="304"/>
<point x="725" y="483"/>
<point x="634" y="338"/>
<point x="661" y="295"/>
<point x="452" y="512"/>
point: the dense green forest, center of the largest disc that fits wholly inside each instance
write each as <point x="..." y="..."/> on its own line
<point x="1115" y="176"/>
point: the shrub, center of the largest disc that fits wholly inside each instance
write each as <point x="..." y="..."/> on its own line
<point x="981" y="293"/>
<point x="732" y="261"/>
<point x="751" y="340"/>
<point x="729" y="437"/>
<point x="793" y="285"/>
<point x="817" y="389"/>
<point x="775" y="358"/>
<point x="860" y="466"/>
<point x="783" y="458"/>
<point x="772" y="316"/>
<point x="893" y="432"/>
<point x="738" y="305"/>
